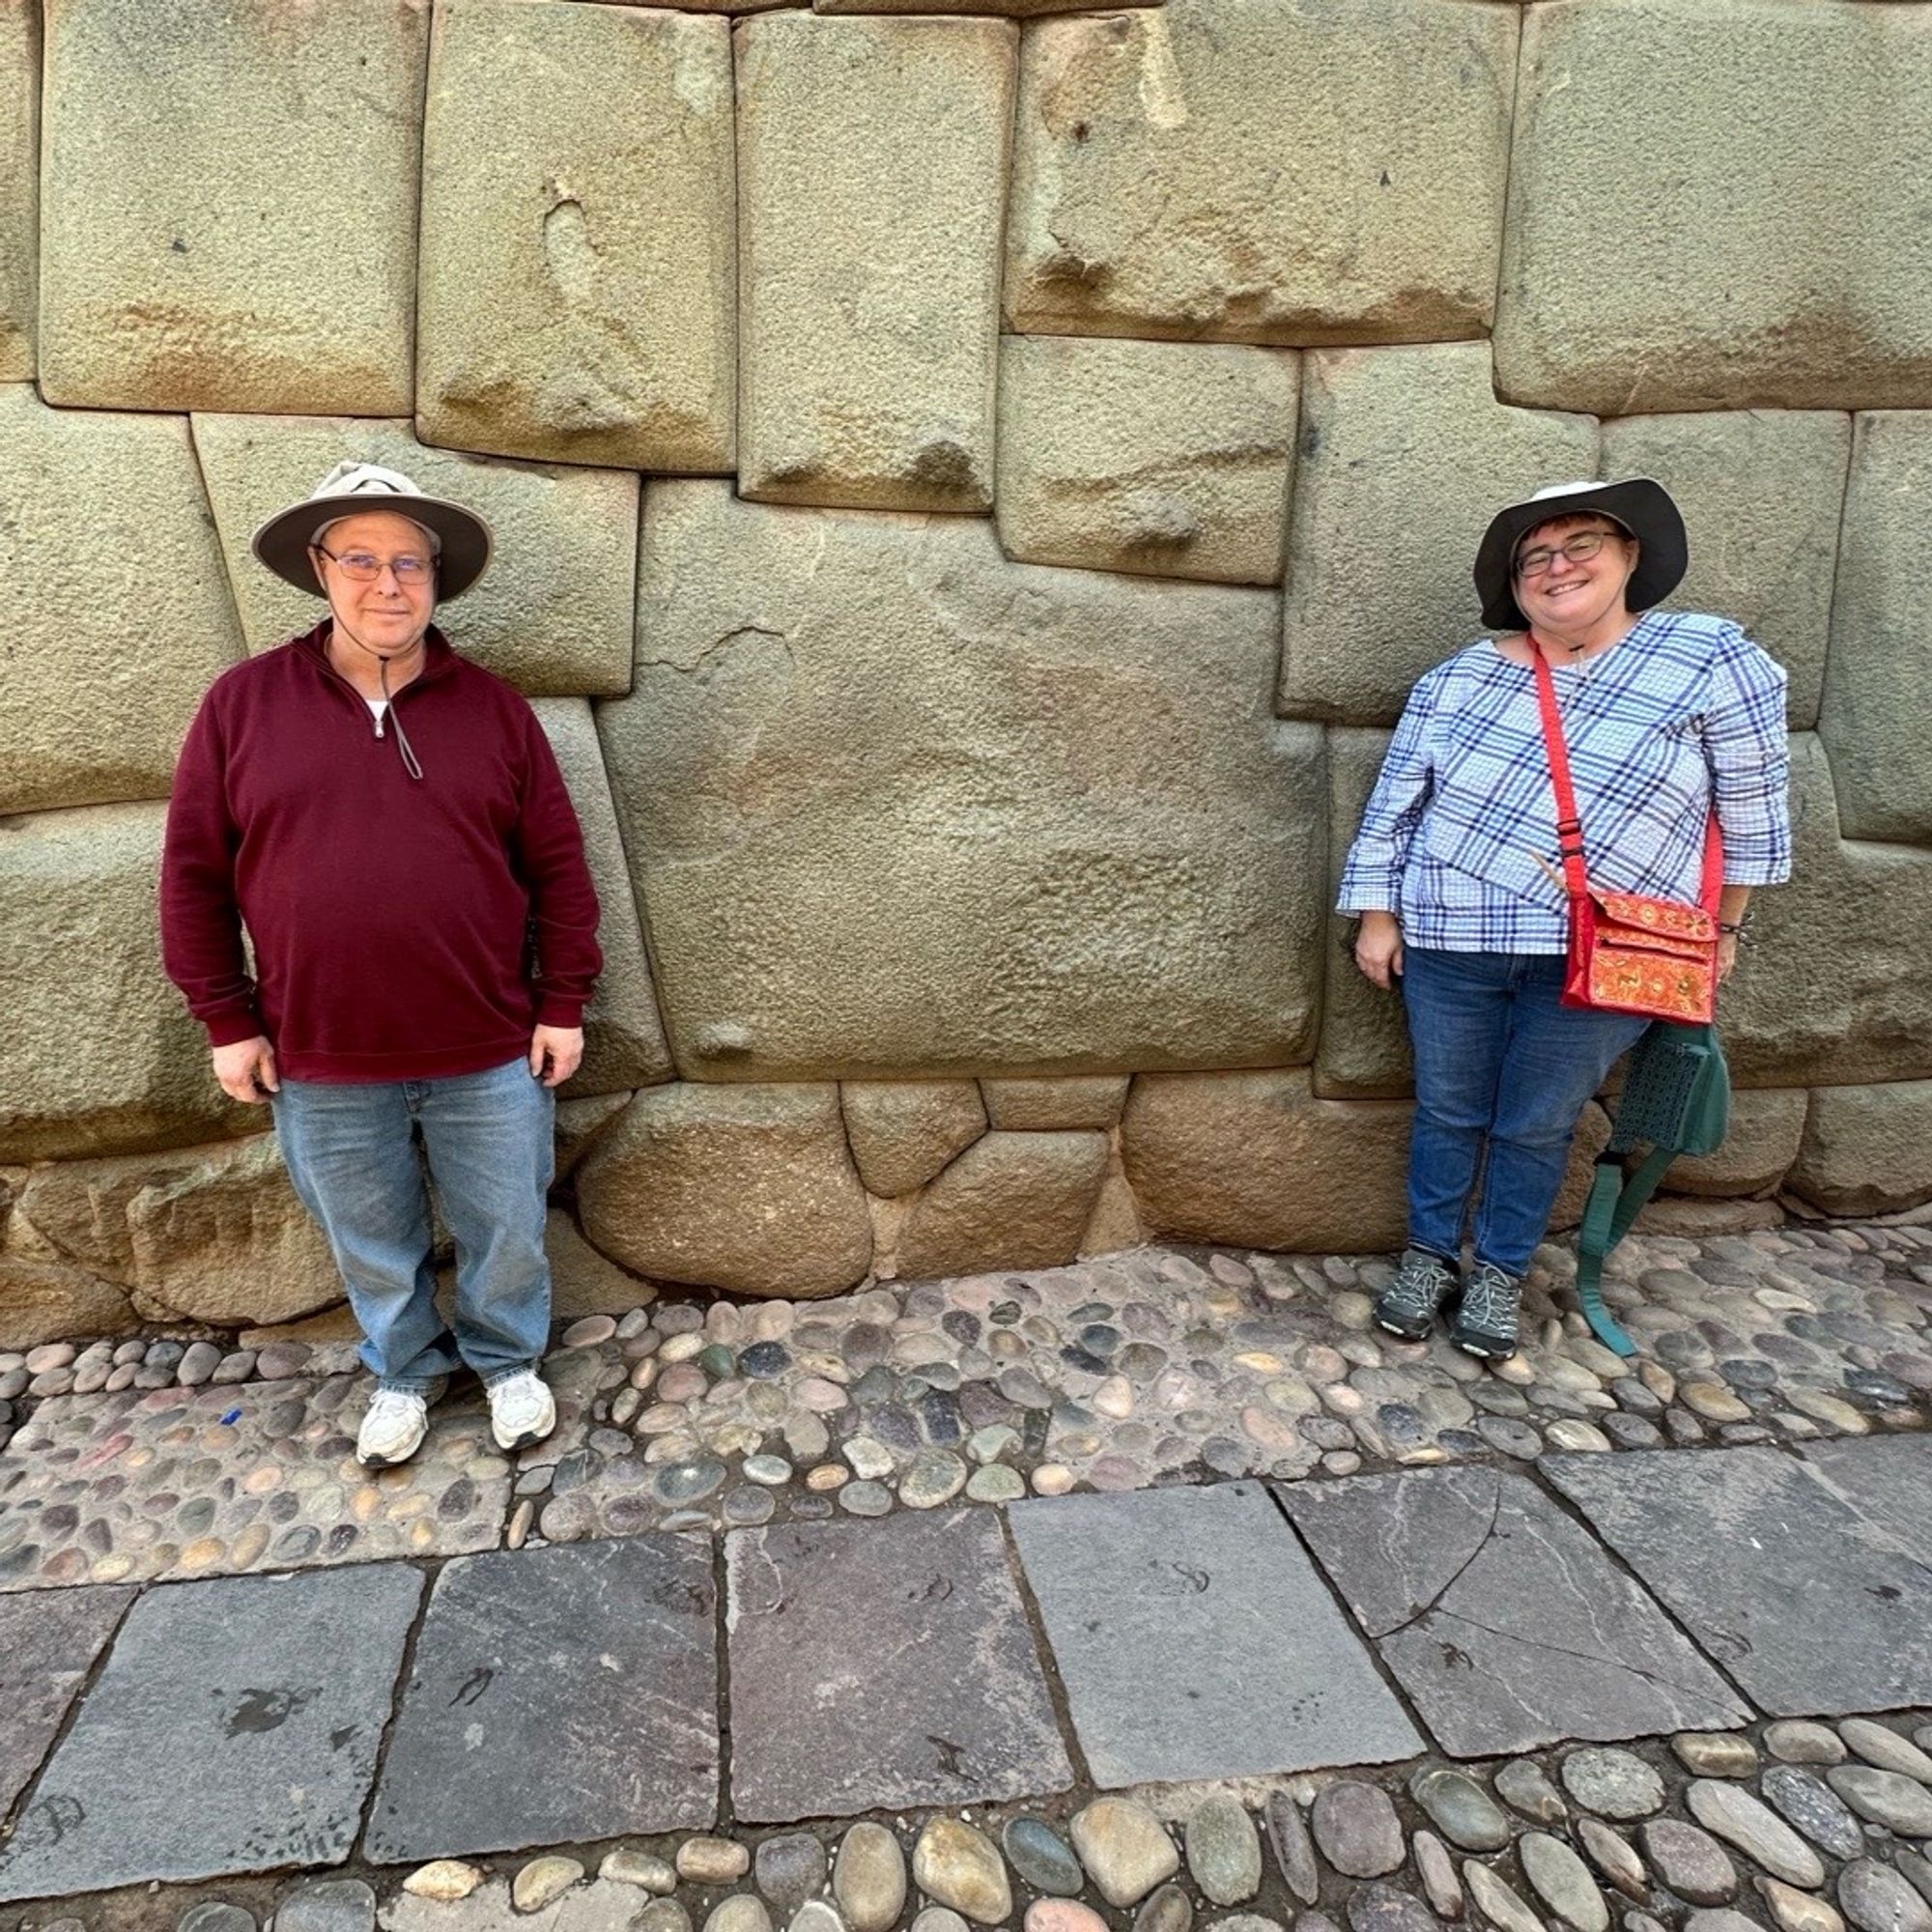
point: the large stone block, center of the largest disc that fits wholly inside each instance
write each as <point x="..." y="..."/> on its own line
<point x="113" y="602"/>
<point x="751" y="1189"/>
<point x="904" y="1131"/>
<point x="1263" y="171"/>
<point x="20" y="185"/>
<point x="1011" y="1200"/>
<point x="872" y="157"/>
<point x="1023" y="10"/>
<point x="1094" y="1101"/>
<point x="228" y="215"/>
<point x="623" y="1038"/>
<point x="104" y="1058"/>
<point x="553" y="614"/>
<point x="1762" y="491"/>
<point x="48" y="1302"/>
<point x="1866" y="1149"/>
<point x="1167" y="458"/>
<point x="1406" y="455"/>
<point x="1877" y="713"/>
<point x="1767" y="1124"/>
<point x="898" y="809"/>
<point x="1255" y="1160"/>
<point x="1716" y="203"/>
<point x="1364" y="1050"/>
<point x="1834" y="991"/>
<point x="586" y="154"/>
<point x="212" y="1233"/>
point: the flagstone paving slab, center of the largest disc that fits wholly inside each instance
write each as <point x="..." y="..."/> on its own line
<point x="47" y="1646"/>
<point x="1196" y="1640"/>
<point x="878" y="1665"/>
<point x="1504" y="1622"/>
<point x="588" y="1670"/>
<point x="133" y="1486"/>
<point x="1810" y="1606"/>
<point x="1889" y="1483"/>
<point x="235" y="1729"/>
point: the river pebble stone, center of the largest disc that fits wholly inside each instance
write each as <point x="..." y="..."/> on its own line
<point x="545" y="1880"/>
<point x="1497" y="1900"/>
<point x="333" y="1905"/>
<point x="957" y="1865"/>
<point x="1386" y="1908"/>
<point x="790" y="1868"/>
<point x="1061" y="1914"/>
<point x="1563" y="1882"/>
<point x="1224" y="1851"/>
<point x="1294" y="1849"/>
<point x="1689" y="1861"/>
<point x="1795" y="1910"/>
<point x="1356" y="1827"/>
<point x="1124" y="1847"/>
<point x="1459" y="1809"/>
<point x="710" y="1860"/>
<point x="1730" y="1812"/>
<point x="1614" y="1855"/>
<point x="1611" y="1782"/>
<point x="631" y="1864"/>
<point x="1876" y="1899"/>
<point x="1437" y="1870"/>
<point x="1813" y="1808"/>
<point x="737" y="1912"/>
<point x="1715" y="1753"/>
<point x="1887" y="1798"/>
<point x="1884" y="1748"/>
<point x="444" y="1879"/>
<point x="1043" y="1858"/>
<point x="1523" y="1785"/>
<point x="869" y="1877"/>
<point x="1799" y="1741"/>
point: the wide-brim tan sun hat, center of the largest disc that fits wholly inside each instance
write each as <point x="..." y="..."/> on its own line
<point x="1641" y="505"/>
<point x="352" y="489"/>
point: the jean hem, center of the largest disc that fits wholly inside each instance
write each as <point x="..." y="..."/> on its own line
<point x="496" y="1376"/>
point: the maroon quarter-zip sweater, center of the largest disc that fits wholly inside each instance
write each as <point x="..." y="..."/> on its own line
<point x="404" y="928"/>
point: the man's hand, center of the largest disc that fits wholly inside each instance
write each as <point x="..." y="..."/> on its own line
<point x="561" y="1048"/>
<point x="1379" y="949"/>
<point x="246" y="1071"/>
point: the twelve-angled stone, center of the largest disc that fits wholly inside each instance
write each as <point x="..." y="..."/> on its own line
<point x="1195" y="1640"/>
<point x="221" y="1700"/>
<point x="49" y="1642"/>
<point x="876" y="1665"/>
<point x="557" y="1694"/>
<point x="1806" y="1603"/>
<point x="1504" y="1622"/>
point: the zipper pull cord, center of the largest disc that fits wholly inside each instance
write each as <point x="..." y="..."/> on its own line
<point x="403" y="744"/>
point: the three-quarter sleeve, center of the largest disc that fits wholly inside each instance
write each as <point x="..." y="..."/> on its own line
<point x="1371" y="877"/>
<point x="1750" y="756"/>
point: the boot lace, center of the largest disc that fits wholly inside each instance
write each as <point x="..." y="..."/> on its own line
<point x="1490" y="1300"/>
<point x="1420" y="1286"/>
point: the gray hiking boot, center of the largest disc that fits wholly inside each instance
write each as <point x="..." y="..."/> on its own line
<point x="1486" y="1316"/>
<point x="1422" y="1284"/>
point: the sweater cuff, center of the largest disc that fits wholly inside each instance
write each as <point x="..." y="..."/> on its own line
<point x="224" y="1028"/>
<point x="554" y="1010"/>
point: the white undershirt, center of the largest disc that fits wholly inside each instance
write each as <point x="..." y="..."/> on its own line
<point x="377" y="706"/>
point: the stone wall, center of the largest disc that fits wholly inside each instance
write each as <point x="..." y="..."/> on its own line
<point x="973" y="491"/>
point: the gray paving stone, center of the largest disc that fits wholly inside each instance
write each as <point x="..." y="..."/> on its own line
<point x="217" y="1700"/>
<point x="587" y="1672"/>
<point x="1886" y="1481"/>
<point x="49" y="1641"/>
<point x="1195" y="1640"/>
<point x="1504" y="1622"/>
<point x="1802" y="1600"/>
<point x="839" y="1702"/>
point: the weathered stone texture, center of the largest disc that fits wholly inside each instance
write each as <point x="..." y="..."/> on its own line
<point x="1167" y="458"/>
<point x="585" y="153"/>
<point x="871" y="154"/>
<point x="1091" y="1102"/>
<point x="229" y="203"/>
<point x="1866" y="1149"/>
<point x="897" y="807"/>
<point x="751" y="1189"/>
<point x="1876" y="713"/>
<point x="1011" y="1200"/>
<point x="623" y="1038"/>
<point x="20" y="185"/>
<point x="552" y="615"/>
<point x="1022" y="10"/>
<point x="1263" y="171"/>
<point x="48" y="1302"/>
<point x="1255" y="1160"/>
<point x="1767" y="1124"/>
<point x="1406" y="455"/>
<point x="1762" y="491"/>
<point x="113" y="602"/>
<point x="903" y="1131"/>
<point x="1716" y="203"/>
<point x="1836" y="989"/>
<point x="1364" y="1050"/>
<point x="104" y="1057"/>
<point x="582" y="1281"/>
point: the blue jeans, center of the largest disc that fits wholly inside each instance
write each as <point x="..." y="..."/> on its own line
<point x="1502" y="1069"/>
<point x="490" y="1151"/>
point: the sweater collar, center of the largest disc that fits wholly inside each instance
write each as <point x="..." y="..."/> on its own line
<point x="439" y="658"/>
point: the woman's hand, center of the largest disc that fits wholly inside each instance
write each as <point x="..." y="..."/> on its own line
<point x="1379" y="949"/>
<point x="1727" y="955"/>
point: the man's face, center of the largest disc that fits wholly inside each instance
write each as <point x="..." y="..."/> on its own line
<point x="379" y="572"/>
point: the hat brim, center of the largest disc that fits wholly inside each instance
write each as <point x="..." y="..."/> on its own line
<point x="1641" y="505"/>
<point x="282" y="543"/>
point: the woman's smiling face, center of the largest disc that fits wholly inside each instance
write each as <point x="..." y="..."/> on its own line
<point x="1557" y="591"/>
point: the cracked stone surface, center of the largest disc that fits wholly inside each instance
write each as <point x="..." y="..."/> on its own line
<point x="1502" y="1620"/>
<point x="1889" y="1483"/>
<point x="47" y="1645"/>
<point x="220" y="1701"/>
<point x="1805" y="1600"/>
<point x="591" y="1668"/>
<point x="1195" y="1638"/>
<point x="824" y="1723"/>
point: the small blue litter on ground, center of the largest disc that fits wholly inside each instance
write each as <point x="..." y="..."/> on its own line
<point x="233" y="1415"/>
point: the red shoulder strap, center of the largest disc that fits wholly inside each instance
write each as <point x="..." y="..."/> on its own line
<point x="1568" y="827"/>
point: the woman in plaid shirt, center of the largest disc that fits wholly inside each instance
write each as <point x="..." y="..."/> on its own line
<point x="1667" y="715"/>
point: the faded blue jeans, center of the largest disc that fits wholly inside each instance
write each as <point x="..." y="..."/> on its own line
<point x="489" y="1141"/>
<point x="1502" y="1069"/>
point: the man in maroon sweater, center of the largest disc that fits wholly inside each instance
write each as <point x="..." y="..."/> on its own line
<point x="388" y="823"/>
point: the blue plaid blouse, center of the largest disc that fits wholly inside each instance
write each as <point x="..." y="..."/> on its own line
<point x="1686" y="711"/>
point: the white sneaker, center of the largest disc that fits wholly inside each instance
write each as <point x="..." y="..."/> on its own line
<point x="394" y="1428"/>
<point x="521" y="1410"/>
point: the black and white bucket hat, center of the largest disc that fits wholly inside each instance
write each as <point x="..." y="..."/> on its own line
<point x="1642" y="507"/>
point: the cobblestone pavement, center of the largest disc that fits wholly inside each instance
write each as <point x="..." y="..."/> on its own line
<point x="1549" y="1643"/>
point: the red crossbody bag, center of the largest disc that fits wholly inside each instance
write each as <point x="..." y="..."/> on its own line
<point x="1629" y="953"/>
